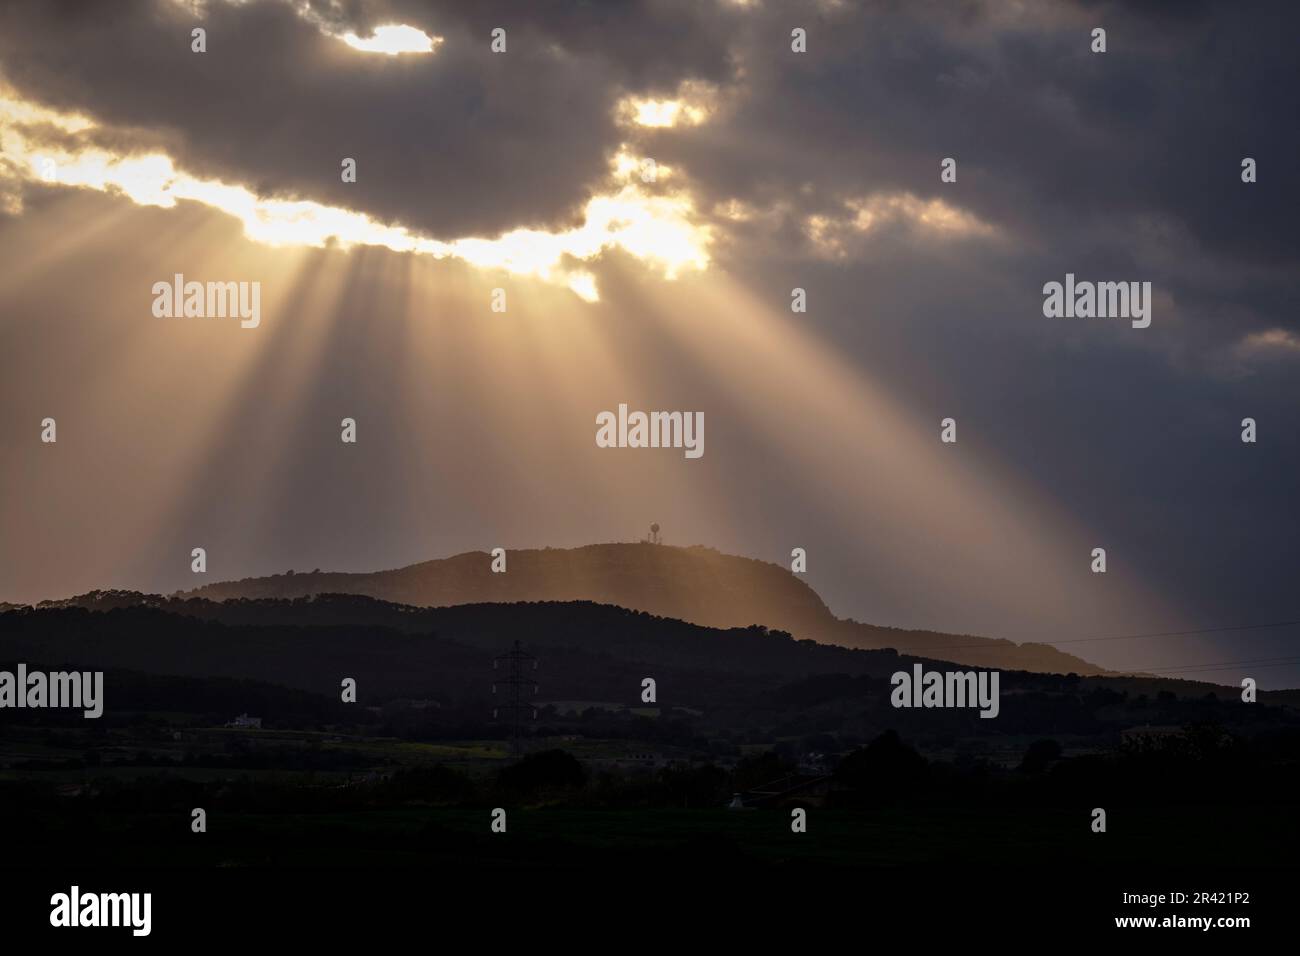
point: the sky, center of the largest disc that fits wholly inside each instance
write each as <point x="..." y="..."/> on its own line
<point x="128" y="157"/>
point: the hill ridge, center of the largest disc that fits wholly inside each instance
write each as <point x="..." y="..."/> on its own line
<point x="696" y="584"/>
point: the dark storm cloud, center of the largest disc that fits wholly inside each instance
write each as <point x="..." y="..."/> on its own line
<point x="1050" y="138"/>
<point x="1126" y="162"/>
<point x="639" y="44"/>
<point x="460" y="142"/>
<point x="1046" y="133"/>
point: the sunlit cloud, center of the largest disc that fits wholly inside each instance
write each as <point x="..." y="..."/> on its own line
<point x="833" y="236"/>
<point x="735" y="211"/>
<point x="14" y="111"/>
<point x="393" y="39"/>
<point x="693" y="104"/>
<point x="657" y="226"/>
<point x="389" y="38"/>
<point x="665" y="113"/>
<point x="1271" y="343"/>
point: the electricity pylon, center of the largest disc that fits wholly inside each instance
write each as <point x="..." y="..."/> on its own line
<point x="516" y="662"/>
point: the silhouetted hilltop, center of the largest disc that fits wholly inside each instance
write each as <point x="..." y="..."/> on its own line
<point x="694" y="584"/>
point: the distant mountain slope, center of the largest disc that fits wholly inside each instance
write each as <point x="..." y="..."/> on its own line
<point x="310" y="643"/>
<point x="589" y="652"/>
<point x="694" y="584"/>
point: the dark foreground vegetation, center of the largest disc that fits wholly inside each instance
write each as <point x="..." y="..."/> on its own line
<point x="748" y="726"/>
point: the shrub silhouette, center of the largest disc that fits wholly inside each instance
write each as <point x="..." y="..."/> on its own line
<point x="540" y="772"/>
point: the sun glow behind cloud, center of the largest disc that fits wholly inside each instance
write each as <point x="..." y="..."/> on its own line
<point x="388" y="38"/>
<point x="692" y="105"/>
<point x="393" y="39"/>
<point x="658" y="227"/>
<point x="665" y="113"/>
